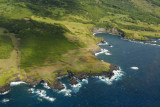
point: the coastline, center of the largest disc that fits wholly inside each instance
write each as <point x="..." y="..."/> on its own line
<point x="73" y="77"/>
<point x="57" y="85"/>
<point x="73" y="80"/>
<point x="114" y="31"/>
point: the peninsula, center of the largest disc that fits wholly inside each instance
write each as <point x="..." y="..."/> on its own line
<point x="50" y="39"/>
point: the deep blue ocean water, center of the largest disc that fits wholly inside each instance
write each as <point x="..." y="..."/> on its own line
<point x="136" y="88"/>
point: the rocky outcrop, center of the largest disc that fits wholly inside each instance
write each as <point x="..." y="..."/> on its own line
<point x="60" y="75"/>
<point x="73" y="81"/>
<point x="98" y="30"/>
<point x="96" y="51"/>
<point x="144" y="41"/>
<point x="109" y="30"/>
<point x="83" y="75"/>
<point x="5" y="88"/>
<point x="115" y="31"/>
<point x="32" y="82"/>
<point x="73" y="77"/>
<point x="56" y="85"/>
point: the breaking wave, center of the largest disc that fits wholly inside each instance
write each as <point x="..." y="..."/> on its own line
<point x="65" y="91"/>
<point x="17" y="83"/>
<point x="153" y="42"/>
<point x="117" y="76"/>
<point x="5" y="100"/>
<point x="134" y="68"/>
<point x="4" y="93"/>
<point x="105" y="43"/>
<point x="108" y="53"/>
<point x="45" y="85"/>
<point x="105" y="51"/>
<point x="77" y="87"/>
<point x="41" y="94"/>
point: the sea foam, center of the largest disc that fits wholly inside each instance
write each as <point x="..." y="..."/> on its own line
<point x="146" y="43"/>
<point x="42" y="94"/>
<point x="117" y="75"/>
<point x="77" y="87"/>
<point x="5" y="100"/>
<point x="65" y="91"/>
<point x="45" y="85"/>
<point x="101" y="52"/>
<point x="17" y="83"/>
<point x="107" y="53"/>
<point x="105" y="43"/>
<point x="134" y="68"/>
<point x="85" y="81"/>
<point x="4" y="93"/>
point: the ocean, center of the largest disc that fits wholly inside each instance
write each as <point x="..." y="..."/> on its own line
<point x="135" y="85"/>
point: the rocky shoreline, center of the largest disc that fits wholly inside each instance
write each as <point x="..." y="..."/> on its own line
<point x="110" y="31"/>
<point x="73" y="79"/>
<point x="5" y="88"/>
<point x="114" y="31"/>
<point x="144" y="41"/>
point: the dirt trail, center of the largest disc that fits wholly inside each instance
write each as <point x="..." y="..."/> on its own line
<point x="14" y="59"/>
<point x="17" y="52"/>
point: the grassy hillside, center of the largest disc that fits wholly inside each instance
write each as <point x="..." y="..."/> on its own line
<point x="39" y="41"/>
<point x="38" y="38"/>
<point x="6" y="46"/>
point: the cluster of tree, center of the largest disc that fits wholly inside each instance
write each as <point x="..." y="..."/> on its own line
<point x="26" y="24"/>
<point x="46" y="8"/>
<point x="155" y="2"/>
<point x="128" y="8"/>
<point x="92" y="9"/>
<point x="134" y="27"/>
<point x="104" y="25"/>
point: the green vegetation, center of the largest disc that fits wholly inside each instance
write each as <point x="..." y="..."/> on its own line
<point x="136" y="28"/>
<point x="155" y="2"/>
<point x="93" y="9"/>
<point x="45" y="36"/>
<point x="6" y="46"/>
<point x="39" y="42"/>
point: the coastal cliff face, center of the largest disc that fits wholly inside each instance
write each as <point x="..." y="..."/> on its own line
<point x="115" y="31"/>
<point x="108" y="30"/>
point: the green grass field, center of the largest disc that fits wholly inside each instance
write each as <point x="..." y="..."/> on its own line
<point x="6" y="46"/>
<point x="39" y="42"/>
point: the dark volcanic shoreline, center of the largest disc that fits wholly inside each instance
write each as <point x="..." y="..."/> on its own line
<point x="5" y="89"/>
<point x="57" y="85"/>
<point x="151" y="42"/>
<point x="115" y="31"/>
